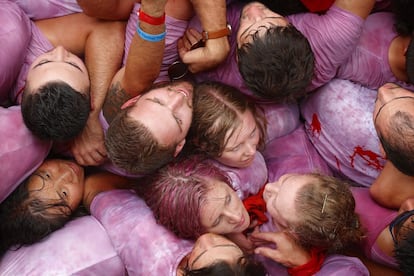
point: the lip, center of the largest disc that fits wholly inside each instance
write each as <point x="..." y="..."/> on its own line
<point x="240" y="224"/>
<point x="183" y="92"/>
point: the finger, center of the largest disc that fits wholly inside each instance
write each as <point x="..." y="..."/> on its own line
<point x="268" y="252"/>
<point x="266" y="236"/>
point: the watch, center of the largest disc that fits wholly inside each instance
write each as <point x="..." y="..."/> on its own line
<point x="217" y="34"/>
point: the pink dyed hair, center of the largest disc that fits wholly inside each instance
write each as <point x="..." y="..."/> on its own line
<point x="177" y="191"/>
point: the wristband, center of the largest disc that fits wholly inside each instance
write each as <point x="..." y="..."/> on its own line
<point x="150" y="37"/>
<point x="217" y="34"/>
<point x="142" y="16"/>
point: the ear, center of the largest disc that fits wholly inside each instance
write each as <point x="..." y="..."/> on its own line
<point x="179" y="147"/>
<point x="130" y="102"/>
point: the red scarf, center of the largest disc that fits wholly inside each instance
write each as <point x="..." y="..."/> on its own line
<point x="256" y="207"/>
<point x="311" y="267"/>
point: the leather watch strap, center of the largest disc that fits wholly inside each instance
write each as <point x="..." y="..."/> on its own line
<point x="217" y="34"/>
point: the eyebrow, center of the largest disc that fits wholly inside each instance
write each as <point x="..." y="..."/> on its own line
<point x="157" y="101"/>
<point x="220" y="245"/>
<point x="248" y="28"/>
<point x="49" y="61"/>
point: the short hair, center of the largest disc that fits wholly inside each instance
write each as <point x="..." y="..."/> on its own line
<point x="55" y="111"/>
<point x="404" y="253"/>
<point x="398" y="141"/>
<point x="283" y="7"/>
<point x="131" y="145"/>
<point x="217" y="110"/>
<point x="403" y="12"/>
<point x="245" y="266"/>
<point x="26" y="219"/>
<point x="409" y="60"/>
<point x="278" y="65"/>
<point x="326" y="215"/>
<point x="177" y="192"/>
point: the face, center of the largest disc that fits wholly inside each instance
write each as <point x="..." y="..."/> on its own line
<point x="58" y="180"/>
<point x="166" y="111"/>
<point x="256" y="17"/>
<point x="280" y="196"/>
<point x="404" y="222"/>
<point x="58" y="65"/>
<point x="211" y="248"/>
<point x="390" y="99"/>
<point x="240" y="148"/>
<point x="222" y="211"/>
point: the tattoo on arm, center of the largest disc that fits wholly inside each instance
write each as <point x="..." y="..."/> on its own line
<point x="114" y="100"/>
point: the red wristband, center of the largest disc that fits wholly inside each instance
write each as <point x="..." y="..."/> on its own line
<point x="142" y="16"/>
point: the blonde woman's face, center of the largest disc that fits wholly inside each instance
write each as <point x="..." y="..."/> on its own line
<point x="280" y="198"/>
<point x="241" y="146"/>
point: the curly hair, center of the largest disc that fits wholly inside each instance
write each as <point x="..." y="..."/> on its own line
<point x="176" y="194"/>
<point x="217" y="110"/>
<point x="278" y="65"/>
<point x="131" y="145"/>
<point x="55" y="111"/>
<point x="326" y="215"/>
<point x="404" y="253"/>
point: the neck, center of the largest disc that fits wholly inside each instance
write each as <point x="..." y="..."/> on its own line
<point x="396" y="57"/>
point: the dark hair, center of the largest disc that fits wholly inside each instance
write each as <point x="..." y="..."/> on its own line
<point x="217" y="111"/>
<point x="278" y="65"/>
<point x="400" y="151"/>
<point x="403" y="12"/>
<point x="404" y="253"/>
<point x="245" y="266"/>
<point x="26" y="219"/>
<point x="409" y="60"/>
<point x="131" y="145"/>
<point x="55" y="111"/>
<point x="283" y="7"/>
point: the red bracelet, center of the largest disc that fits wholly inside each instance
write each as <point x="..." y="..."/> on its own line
<point x="142" y="16"/>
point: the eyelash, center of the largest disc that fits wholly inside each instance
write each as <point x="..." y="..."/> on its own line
<point x="227" y="201"/>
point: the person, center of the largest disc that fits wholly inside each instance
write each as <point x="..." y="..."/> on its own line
<point x="63" y="75"/>
<point x="387" y="229"/>
<point x="226" y="126"/>
<point x="313" y="55"/>
<point x="46" y="201"/>
<point x="168" y="255"/>
<point x="374" y="156"/>
<point x="390" y="60"/>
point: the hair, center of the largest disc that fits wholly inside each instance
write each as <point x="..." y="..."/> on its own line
<point x="245" y="266"/>
<point x="26" y="219"/>
<point x="284" y="7"/>
<point x="176" y="194"/>
<point x="278" y="65"/>
<point x="409" y="60"/>
<point x="326" y="215"/>
<point x="400" y="152"/>
<point x="403" y="12"/>
<point x="217" y="110"/>
<point x="404" y="253"/>
<point x="131" y="145"/>
<point x="55" y="111"/>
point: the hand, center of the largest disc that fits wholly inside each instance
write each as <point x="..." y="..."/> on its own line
<point x="203" y="58"/>
<point x="88" y="148"/>
<point x="287" y="252"/>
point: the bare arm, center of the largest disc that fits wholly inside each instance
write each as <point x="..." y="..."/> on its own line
<point x="212" y="16"/>
<point x="107" y="9"/>
<point x="392" y="187"/>
<point x="143" y="62"/>
<point x="361" y="8"/>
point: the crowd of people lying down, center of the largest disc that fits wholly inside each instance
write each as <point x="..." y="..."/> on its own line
<point x="193" y="137"/>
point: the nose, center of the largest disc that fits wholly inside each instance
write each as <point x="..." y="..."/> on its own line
<point x="250" y="149"/>
<point x="269" y="190"/>
<point x="176" y="99"/>
<point x="407" y="205"/>
<point x="60" y="53"/>
<point x="386" y="92"/>
<point x="254" y="11"/>
<point x="232" y="216"/>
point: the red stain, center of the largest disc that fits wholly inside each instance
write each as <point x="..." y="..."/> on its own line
<point x="315" y="127"/>
<point x="372" y="159"/>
